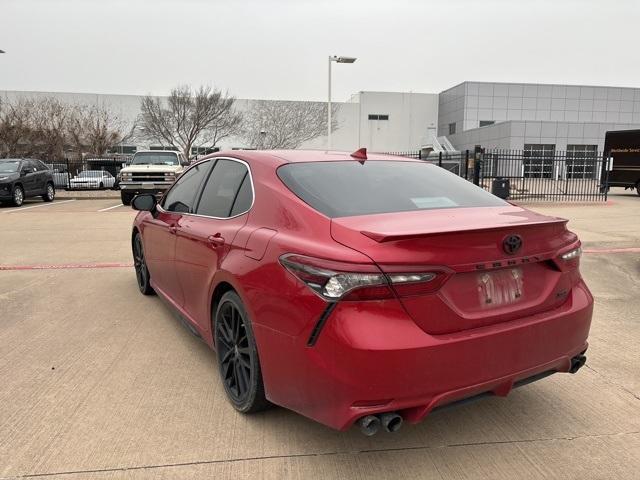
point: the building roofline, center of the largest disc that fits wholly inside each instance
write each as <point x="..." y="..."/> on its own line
<point x="42" y="92"/>
<point x="536" y="84"/>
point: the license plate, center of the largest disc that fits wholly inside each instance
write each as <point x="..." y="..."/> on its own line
<point x="501" y="287"/>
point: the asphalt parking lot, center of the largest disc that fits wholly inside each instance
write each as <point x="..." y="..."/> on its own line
<point x="99" y="382"/>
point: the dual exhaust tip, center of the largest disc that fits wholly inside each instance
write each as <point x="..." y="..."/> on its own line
<point x="577" y="363"/>
<point x="371" y="424"/>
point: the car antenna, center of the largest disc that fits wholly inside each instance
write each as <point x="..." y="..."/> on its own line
<point x="360" y="155"/>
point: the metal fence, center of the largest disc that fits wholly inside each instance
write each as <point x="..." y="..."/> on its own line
<point x="531" y="175"/>
<point x="528" y="175"/>
<point x="67" y="173"/>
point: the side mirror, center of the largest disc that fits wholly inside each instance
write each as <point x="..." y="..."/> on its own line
<point x="145" y="202"/>
<point x="24" y="172"/>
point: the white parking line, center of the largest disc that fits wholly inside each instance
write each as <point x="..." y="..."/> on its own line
<point x="110" y="208"/>
<point x="49" y="204"/>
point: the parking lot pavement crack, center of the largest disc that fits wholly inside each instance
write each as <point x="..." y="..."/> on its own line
<point x="611" y="382"/>
<point x="313" y="455"/>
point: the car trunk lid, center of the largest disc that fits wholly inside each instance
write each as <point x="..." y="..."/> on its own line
<point x="485" y="284"/>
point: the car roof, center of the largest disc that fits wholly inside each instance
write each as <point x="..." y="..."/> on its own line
<point x="279" y="157"/>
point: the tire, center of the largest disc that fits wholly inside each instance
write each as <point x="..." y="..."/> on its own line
<point x="638" y="187"/>
<point x="17" y="197"/>
<point x="238" y="360"/>
<point x="126" y="198"/>
<point x="101" y="187"/>
<point x="50" y="193"/>
<point x="142" y="272"/>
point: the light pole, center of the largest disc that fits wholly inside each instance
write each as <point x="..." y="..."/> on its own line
<point x="334" y="58"/>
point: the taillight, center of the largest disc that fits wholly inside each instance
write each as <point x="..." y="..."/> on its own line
<point x="410" y="284"/>
<point x="569" y="260"/>
<point x="335" y="281"/>
<point x="571" y="255"/>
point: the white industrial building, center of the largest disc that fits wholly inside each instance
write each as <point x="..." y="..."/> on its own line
<point x="535" y="117"/>
<point x="381" y="121"/>
<point x="530" y="117"/>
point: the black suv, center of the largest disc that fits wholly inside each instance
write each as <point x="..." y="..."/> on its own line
<point x="21" y="178"/>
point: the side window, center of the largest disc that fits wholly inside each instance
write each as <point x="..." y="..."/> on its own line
<point x="222" y="188"/>
<point x="40" y="166"/>
<point x="182" y="196"/>
<point x="244" y="197"/>
<point x="30" y="165"/>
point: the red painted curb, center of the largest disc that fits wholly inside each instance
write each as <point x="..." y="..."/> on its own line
<point x="612" y="250"/>
<point x="66" y="266"/>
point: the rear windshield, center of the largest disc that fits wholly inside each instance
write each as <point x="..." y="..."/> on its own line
<point x="155" y="158"/>
<point x="344" y="189"/>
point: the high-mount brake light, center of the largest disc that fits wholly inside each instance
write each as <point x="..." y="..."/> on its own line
<point x="335" y="281"/>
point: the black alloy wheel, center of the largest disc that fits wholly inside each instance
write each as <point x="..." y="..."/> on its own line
<point x="142" y="272"/>
<point x="238" y="360"/>
<point x="50" y="193"/>
<point x="18" y="196"/>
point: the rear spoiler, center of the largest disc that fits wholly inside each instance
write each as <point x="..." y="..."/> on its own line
<point x="382" y="237"/>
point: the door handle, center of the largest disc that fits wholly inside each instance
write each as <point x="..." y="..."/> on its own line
<point x="173" y="229"/>
<point x="216" y="240"/>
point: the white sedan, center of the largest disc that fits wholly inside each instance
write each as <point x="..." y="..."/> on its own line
<point x="93" y="179"/>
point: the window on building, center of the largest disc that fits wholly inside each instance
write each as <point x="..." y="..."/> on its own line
<point x="161" y="147"/>
<point x="538" y="160"/>
<point x="378" y="116"/>
<point x="203" y="150"/>
<point x="486" y="123"/>
<point x="452" y="128"/>
<point x="123" y="149"/>
<point x="581" y="161"/>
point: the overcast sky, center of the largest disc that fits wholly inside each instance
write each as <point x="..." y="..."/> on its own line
<point x="277" y="49"/>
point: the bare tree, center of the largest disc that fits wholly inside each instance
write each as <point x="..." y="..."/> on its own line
<point x="286" y="124"/>
<point x="225" y="126"/>
<point x="50" y="120"/>
<point x="16" y="128"/>
<point x="94" y="129"/>
<point x="189" y="117"/>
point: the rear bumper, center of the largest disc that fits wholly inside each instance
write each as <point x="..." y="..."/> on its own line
<point x="376" y="359"/>
<point x="84" y="186"/>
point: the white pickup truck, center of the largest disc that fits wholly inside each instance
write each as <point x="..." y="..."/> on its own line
<point x="152" y="171"/>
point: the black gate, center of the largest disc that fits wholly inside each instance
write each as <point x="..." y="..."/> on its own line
<point x="533" y="175"/>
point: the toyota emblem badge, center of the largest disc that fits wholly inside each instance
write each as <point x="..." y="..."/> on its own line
<point x="512" y="244"/>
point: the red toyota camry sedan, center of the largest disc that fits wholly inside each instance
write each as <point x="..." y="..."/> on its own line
<point x="361" y="289"/>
